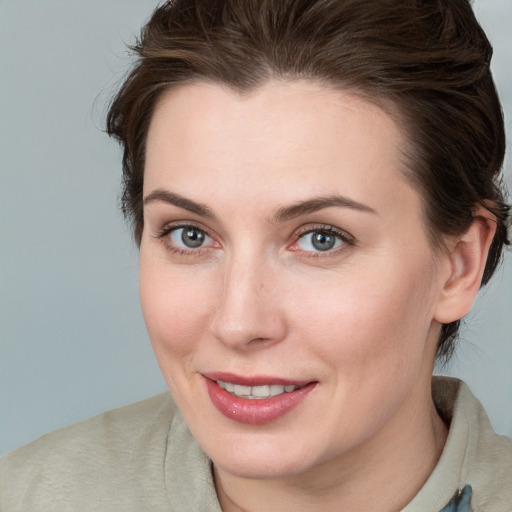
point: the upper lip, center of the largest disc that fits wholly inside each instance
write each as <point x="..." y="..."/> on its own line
<point x="256" y="380"/>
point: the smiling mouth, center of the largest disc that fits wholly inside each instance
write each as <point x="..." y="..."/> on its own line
<point x="256" y="392"/>
<point x="255" y="400"/>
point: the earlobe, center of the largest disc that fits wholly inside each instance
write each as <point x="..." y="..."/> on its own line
<point x="467" y="258"/>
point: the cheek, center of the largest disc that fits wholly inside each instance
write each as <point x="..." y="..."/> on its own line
<point x="175" y="306"/>
<point x="373" y="334"/>
<point x="370" y="316"/>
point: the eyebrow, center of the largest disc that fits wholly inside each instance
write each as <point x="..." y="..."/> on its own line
<point x="319" y="203"/>
<point x="166" y="196"/>
<point x="283" y="214"/>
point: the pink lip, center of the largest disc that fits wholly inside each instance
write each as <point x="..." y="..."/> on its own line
<point x="255" y="412"/>
<point x="259" y="380"/>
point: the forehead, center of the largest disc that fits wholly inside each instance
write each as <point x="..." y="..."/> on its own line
<point x="270" y="143"/>
<point x="277" y="106"/>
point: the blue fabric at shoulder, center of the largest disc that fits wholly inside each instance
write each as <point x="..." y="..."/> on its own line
<point x="461" y="502"/>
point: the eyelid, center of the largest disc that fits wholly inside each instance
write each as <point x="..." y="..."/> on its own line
<point x="163" y="235"/>
<point x="345" y="237"/>
<point x="299" y="233"/>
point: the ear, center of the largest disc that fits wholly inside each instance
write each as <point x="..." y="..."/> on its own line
<point x="467" y="257"/>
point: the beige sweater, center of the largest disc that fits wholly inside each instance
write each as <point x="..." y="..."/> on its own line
<point x="143" y="458"/>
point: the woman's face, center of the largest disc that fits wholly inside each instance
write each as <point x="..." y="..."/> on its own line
<point x="284" y="256"/>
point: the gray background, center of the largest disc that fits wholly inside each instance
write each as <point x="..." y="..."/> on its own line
<point x="72" y="338"/>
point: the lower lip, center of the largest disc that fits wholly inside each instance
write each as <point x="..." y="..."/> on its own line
<point x="256" y="411"/>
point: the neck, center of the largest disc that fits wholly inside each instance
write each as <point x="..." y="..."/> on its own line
<point x="384" y="474"/>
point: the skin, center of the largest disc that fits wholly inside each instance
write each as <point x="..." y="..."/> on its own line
<point x="360" y="320"/>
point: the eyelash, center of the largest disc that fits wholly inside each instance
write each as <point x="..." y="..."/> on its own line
<point x="163" y="235"/>
<point x="328" y="229"/>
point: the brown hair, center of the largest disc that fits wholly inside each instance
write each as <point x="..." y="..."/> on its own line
<point x="428" y="58"/>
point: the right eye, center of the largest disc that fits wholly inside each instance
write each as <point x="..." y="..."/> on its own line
<point x="186" y="239"/>
<point x="189" y="237"/>
<point x="320" y="240"/>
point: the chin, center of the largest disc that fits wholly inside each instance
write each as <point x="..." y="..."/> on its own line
<point x="262" y="457"/>
<point x="261" y="468"/>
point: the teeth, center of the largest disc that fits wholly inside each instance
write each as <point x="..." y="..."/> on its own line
<point x="229" y="387"/>
<point x="242" y="390"/>
<point x="256" y="392"/>
<point x="276" y="389"/>
<point x="260" y="391"/>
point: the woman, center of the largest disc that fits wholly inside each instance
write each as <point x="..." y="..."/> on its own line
<point x="314" y="187"/>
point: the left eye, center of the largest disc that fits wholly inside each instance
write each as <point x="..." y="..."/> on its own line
<point x="189" y="237"/>
<point x="320" y="240"/>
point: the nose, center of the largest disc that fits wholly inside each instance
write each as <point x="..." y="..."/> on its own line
<point x="249" y="314"/>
